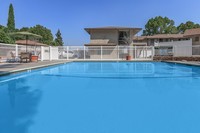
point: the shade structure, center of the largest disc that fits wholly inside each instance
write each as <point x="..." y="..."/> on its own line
<point x="29" y="43"/>
<point x="27" y="35"/>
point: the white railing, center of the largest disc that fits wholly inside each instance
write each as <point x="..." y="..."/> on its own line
<point x="105" y="52"/>
<point x="11" y="52"/>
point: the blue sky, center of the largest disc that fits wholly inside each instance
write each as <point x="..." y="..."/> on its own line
<point x="72" y="16"/>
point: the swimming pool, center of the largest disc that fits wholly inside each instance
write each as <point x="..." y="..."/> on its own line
<point x="102" y="97"/>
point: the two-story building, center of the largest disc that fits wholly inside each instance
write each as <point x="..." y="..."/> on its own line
<point x="109" y="37"/>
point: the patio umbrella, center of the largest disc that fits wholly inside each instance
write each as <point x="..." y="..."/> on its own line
<point x="27" y="35"/>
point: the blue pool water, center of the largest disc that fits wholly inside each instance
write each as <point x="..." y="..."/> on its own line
<point x="102" y="97"/>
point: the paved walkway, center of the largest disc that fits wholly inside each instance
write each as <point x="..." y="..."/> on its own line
<point x="6" y="68"/>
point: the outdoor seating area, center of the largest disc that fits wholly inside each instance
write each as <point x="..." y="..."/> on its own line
<point x="25" y="57"/>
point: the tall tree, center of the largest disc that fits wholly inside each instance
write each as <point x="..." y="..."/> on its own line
<point x="11" y="19"/>
<point x="188" y="25"/>
<point x="59" y="40"/>
<point x="159" y="25"/>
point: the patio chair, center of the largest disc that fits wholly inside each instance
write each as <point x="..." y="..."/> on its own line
<point x="11" y="57"/>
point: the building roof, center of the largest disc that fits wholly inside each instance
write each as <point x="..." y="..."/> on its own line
<point x="160" y="36"/>
<point x="113" y="28"/>
<point x="192" y="32"/>
<point x="100" y="44"/>
<point x="166" y="36"/>
<point x="29" y="42"/>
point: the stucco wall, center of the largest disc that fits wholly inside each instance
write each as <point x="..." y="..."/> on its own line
<point x="112" y="35"/>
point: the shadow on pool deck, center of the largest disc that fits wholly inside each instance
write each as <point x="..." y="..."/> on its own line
<point x="3" y="66"/>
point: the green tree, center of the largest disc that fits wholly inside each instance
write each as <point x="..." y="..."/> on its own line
<point x="24" y="29"/>
<point x="5" y="38"/>
<point x="3" y="28"/>
<point x="188" y="25"/>
<point x="159" y="25"/>
<point x="47" y="37"/>
<point x="59" y="40"/>
<point x="11" y="19"/>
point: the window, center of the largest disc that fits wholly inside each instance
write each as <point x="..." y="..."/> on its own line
<point x="123" y="34"/>
<point x="123" y="37"/>
<point x="196" y="39"/>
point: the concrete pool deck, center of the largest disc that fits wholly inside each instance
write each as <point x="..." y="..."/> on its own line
<point x="8" y="68"/>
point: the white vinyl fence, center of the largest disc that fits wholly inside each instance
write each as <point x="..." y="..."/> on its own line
<point x="11" y="52"/>
<point x="177" y="51"/>
<point x="105" y="52"/>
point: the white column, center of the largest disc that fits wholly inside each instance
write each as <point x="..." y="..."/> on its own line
<point x="135" y="53"/>
<point x="16" y="50"/>
<point x="42" y="53"/>
<point x="174" y="49"/>
<point x="101" y="53"/>
<point x="67" y="52"/>
<point x="84" y="51"/>
<point x="118" y="52"/>
<point x="152" y="52"/>
<point x="50" y="53"/>
<point x="143" y="49"/>
<point x="146" y="52"/>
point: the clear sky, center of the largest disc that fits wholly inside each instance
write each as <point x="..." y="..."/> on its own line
<point x="72" y="16"/>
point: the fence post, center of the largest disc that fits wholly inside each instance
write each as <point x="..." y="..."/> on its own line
<point x="50" y="53"/>
<point x="146" y="52"/>
<point x="84" y="52"/>
<point x="135" y="52"/>
<point x="152" y="52"/>
<point x="101" y="53"/>
<point x="67" y="52"/>
<point x="42" y="53"/>
<point x="16" y="50"/>
<point x="174" y="47"/>
<point x="117" y="52"/>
